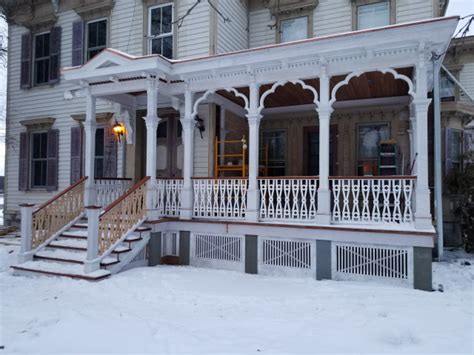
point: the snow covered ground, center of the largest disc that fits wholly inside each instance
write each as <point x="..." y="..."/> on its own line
<point x="186" y="309"/>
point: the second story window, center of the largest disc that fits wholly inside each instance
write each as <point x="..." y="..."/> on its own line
<point x="41" y="59"/>
<point x="373" y="15"/>
<point x="294" y="29"/>
<point x="96" y="37"/>
<point x="447" y="90"/>
<point x="160" y="30"/>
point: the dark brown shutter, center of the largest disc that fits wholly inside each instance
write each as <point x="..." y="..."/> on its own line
<point x="25" y="79"/>
<point x="52" y="163"/>
<point x="76" y="154"/>
<point x="54" y="55"/>
<point x="110" y="152"/>
<point x="77" y="43"/>
<point x="24" y="163"/>
<point x="448" y="163"/>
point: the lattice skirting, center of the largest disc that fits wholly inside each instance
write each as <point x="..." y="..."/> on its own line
<point x="367" y="262"/>
<point x="287" y="257"/>
<point x="218" y="251"/>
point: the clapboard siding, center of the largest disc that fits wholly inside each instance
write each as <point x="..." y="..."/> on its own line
<point x="193" y="35"/>
<point x="332" y="16"/>
<point x="260" y="32"/>
<point x="232" y="36"/>
<point x="414" y="10"/>
<point x="126" y="27"/>
<point x="466" y="78"/>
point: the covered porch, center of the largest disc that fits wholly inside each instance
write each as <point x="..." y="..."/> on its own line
<point x="311" y="91"/>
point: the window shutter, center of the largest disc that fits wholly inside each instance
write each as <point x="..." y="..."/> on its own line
<point x="448" y="164"/>
<point x="55" y="52"/>
<point x="52" y="163"/>
<point x="25" y="78"/>
<point x="110" y="153"/>
<point x="24" y="162"/>
<point x="77" y="43"/>
<point x="76" y="154"/>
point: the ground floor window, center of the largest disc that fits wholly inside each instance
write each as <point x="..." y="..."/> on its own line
<point x="369" y="136"/>
<point x="99" y="165"/>
<point x="454" y="150"/>
<point x="273" y="149"/>
<point x="39" y="159"/>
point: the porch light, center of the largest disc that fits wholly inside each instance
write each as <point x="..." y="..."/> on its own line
<point x="119" y="130"/>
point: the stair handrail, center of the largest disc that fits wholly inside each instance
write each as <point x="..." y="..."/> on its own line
<point x="57" y="212"/>
<point x="121" y="216"/>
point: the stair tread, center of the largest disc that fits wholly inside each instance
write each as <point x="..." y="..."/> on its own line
<point x="133" y="238"/>
<point x="65" y="255"/>
<point x="80" y="233"/>
<point x="121" y="249"/>
<point x="80" y="225"/>
<point x="71" y="270"/>
<point x="72" y="243"/>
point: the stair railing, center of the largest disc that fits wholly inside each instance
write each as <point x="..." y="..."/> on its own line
<point x="107" y="229"/>
<point x="51" y="218"/>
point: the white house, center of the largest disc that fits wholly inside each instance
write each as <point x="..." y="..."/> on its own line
<point x="273" y="137"/>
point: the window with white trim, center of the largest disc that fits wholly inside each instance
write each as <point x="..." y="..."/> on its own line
<point x="294" y="29"/>
<point x="42" y="58"/>
<point x="373" y="15"/>
<point x="96" y="37"/>
<point x="99" y="165"/>
<point x="160" y="30"/>
<point x="273" y="148"/>
<point x="39" y="159"/>
<point x="447" y="90"/>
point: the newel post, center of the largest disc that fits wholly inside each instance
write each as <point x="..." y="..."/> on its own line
<point x="26" y="233"/>
<point x="92" y="263"/>
<point x="323" y="215"/>
<point x="151" y="122"/>
<point x="254" y="117"/>
<point x="90" y="127"/>
<point x="187" y="122"/>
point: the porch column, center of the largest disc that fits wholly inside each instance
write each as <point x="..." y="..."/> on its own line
<point x="323" y="215"/>
<point x="90" y="127"/>
<point x="187" y="122"/>
<point x="151" y="122"/>
<point x="422" y="193"/>
<point x="253" y="117"/>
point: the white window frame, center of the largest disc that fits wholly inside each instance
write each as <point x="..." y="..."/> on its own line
<point x="280" y="27"/>
<point x="373" y="4"/>
<point x="33" y="71"/>
<point x="30" y="154"/>
<point x="86" y="42"/>
<point x="150" y="38"/>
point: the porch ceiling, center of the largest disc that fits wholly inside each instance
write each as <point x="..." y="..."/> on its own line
<point x="369" y="85"/>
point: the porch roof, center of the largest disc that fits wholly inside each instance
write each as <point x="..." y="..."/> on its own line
<point x="396" y="46"/>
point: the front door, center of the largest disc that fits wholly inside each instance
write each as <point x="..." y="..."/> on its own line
<point x="311" y="151"/>
<point x="169" y="147"/>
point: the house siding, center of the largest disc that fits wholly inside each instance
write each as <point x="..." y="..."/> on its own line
<point x="193" y="35"/>
<point x="332" y="16"/>
<point x="233" y="35"/>
<point x="414" y="10"/>
<point x="260" y="32"/>
<point x="466" y="78"/>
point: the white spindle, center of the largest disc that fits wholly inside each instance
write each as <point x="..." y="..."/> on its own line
<point x="108" y="190"/>
<point x="168" y="193"/>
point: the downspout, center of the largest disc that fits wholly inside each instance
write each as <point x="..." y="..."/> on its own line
<point x="437" y="153"/>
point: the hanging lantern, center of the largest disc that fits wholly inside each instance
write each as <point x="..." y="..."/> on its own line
<point x="119" y="130"/>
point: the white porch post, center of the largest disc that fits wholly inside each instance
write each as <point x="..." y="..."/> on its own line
<point x="92" y="263"/>
<point x="323" y="215"/>
<point x="187" y="122"/>
<point x="26" y="233"/>
<point x="90" y="127"/>
<point x="254" y="117"/>
<point x="151" y="122"/>
<point x="420" y="105"/>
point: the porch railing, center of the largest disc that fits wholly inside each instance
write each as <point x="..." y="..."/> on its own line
<point x="122" y="215"/>
<point x="168" y="200"/>
<point x="372" y="199"/>
<point x="110" y="189"/>
<point x="224" y="198"/>
<point x="288" y="198"/>
<point x="56" y="213"/>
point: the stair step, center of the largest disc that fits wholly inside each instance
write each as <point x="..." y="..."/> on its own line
<point x="133" y="238"/>
<point x="75" y="234"/>
<point x="121" y="249"/>
<point x="73" y="244"/>
<point x="74" y="271"/>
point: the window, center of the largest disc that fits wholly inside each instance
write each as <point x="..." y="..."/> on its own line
<point x="294" y="29"/>
<point x="373" y="15"/>
<point x="42" y="58"/>
<point x="273" y="146"/>
<point x="368" y="139"/>
<point x="446" y="90"/>
<point x="39" y="159"/>
<point x="453" y="150"/>
<point x="160" y="30"/>
<point x="99" y="165"/>
<point x="96" y="37"/>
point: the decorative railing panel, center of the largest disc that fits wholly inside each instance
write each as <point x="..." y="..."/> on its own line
<point x="374" y="199"/>
<point x="288" y="198"/>
<point x="110" y="189"/>
<point x="168" y="201"/>
<point x="220" y="198"/>
<point x="56" y="213"/>
<point x="122" y="215"/>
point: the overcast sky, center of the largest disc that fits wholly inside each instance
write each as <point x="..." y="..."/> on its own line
<point x="456" y="7"/>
